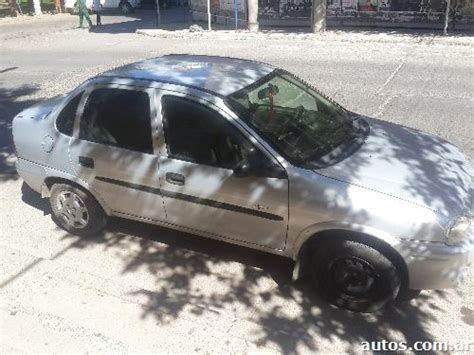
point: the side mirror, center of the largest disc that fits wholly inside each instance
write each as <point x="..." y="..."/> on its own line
<point x="242" y="170"/>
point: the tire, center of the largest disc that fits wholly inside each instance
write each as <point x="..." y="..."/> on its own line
<point x="354" y="276"/>
<point x="76" y="211"/>
<point x="125" y="8"/>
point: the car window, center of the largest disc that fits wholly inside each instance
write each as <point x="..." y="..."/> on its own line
<point x="118" y="117"/>
<point x="286" y="94"/>
<point x="302" y="125"/>
<point x="198" y="134"/>
<point x="65" y="120"/>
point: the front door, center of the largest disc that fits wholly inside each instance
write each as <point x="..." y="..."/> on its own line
<point x="112" y="150"/>
<point x="215" y="180"/>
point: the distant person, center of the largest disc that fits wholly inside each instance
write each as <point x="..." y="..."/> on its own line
<point x="18" y="7"/>
<point x="97" y="11"/>
<point x="58" y="7"/>
<point x="83" y="12"/>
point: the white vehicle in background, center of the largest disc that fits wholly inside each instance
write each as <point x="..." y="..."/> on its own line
<point x="125" y="6"/>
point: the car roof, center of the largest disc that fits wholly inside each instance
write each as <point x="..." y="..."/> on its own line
<point x="219" y="75"/>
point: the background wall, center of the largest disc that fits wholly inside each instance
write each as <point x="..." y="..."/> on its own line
<point x="369" y="12"/>
<point x="395" y="13"/>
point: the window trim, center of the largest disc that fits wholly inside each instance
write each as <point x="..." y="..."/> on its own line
<point x="225" y="116"/>
<point x="95" y="86"/>
<point x="63" y="105"/>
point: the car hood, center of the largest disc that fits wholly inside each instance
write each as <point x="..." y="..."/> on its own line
<point x="411" y="165"/>
<point x="41" y="110"/>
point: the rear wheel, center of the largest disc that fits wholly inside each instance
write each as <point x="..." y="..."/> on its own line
<point x="125" y="8"/>
<point x="76" y="211"/>
<point x="354" y="276"/>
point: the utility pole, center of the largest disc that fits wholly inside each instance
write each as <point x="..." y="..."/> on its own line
<point x="236" y="14"/>
<point x="446" y="18"/>
<point x="252" y="9"/>
<point x="318" y="16"/>
<point x="158" y="14"/>
<point x="209" y="15"/>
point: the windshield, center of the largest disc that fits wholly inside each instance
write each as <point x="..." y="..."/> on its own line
<point x="297" y="121"/>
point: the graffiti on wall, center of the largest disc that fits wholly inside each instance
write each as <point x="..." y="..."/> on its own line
<point x="285" y="8"/>
<point x="302" y="8"/>
<point x="348" y="11"/>
<point x="384" y="10"/>
<point x="464" y="10"/>
<point x="400" y="5"/>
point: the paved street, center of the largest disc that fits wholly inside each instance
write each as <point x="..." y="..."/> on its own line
<point x="144" y="288"/>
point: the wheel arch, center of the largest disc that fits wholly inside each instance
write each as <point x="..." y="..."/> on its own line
<point x="51" y="180"/>
<point x="302" y="256"/>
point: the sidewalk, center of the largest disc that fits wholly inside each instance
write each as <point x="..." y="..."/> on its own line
<point x="175" y="24"/>
<point x="303" y="34"/>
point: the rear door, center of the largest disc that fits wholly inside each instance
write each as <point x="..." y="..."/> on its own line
<point x="216" y="180"/>
<point x="112" y="149"/>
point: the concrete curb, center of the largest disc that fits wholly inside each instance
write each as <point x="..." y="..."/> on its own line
<point x="336" y="36"/>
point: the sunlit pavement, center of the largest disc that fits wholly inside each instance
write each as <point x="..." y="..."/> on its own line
<point x="143" y="288"/>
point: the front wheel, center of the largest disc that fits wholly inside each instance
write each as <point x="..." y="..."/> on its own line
<point x="76" y="211"/>
<point x="354" y="276"/>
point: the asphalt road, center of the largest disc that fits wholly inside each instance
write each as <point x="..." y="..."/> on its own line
<point x="143" y="288"/>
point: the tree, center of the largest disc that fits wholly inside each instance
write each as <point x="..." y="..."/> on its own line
<point x="446" y="17"/>
<point x="13" y="8"/>
<point x="318" y="16"/>
<point x="253" y="15"/>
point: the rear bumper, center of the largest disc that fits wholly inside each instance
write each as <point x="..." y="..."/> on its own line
<point x="33" y="174"/>
<point x="437" y="265"/>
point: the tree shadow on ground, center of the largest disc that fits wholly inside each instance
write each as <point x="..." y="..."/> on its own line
<point x="253" y="287"/>
<point x="172" y="19"/>
<point x="284" y="315"/>
<point x="134" y="21"/>
<point x="12" y="101"/>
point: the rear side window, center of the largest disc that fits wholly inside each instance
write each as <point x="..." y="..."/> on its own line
<point x="119" y="118"/>
<point x="65" y="120"/>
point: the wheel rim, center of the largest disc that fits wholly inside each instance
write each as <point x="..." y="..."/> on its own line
<point x="125" y="9"/>
<point x="72" y="210"/>
<point x="353" y="276"/>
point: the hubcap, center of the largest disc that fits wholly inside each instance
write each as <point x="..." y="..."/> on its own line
<point x="72" y="209"/>
<point x="353" y="276"/>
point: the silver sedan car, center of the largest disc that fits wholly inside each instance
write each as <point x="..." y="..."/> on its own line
<point x="249" y="154"/>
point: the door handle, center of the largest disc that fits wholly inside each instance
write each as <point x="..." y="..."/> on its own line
<point x="86" y="162"/>
<point x="175" y="179"/>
